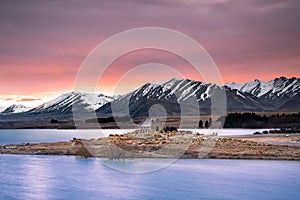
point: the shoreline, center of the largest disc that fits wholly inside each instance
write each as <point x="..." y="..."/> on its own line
<point x="175" y="145"/>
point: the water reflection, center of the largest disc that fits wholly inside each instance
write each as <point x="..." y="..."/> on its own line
<point x="37" y="178"/>
<point x="68" y="177"/>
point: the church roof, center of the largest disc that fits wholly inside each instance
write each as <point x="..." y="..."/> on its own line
<point x="146" y="122"/>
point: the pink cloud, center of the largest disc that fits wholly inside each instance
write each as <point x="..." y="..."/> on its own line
<point x="28" y="99"/>
<point x="43" y="43"/>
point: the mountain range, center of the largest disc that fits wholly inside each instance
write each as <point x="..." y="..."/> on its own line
<point x="280" y="94"/>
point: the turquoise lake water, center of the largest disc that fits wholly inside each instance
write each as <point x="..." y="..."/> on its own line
<point x="69" y="177"/>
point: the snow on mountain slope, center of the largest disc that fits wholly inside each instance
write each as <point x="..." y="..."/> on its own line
<point x="2" y="109"/>
<point x="65" y="102"/>
<point x="257" y="95"/>
<point x="172" y="90"/>
<point x="173" y="93"/>
<point x="256" y="87"/>
<point x="234" y="85"/>
<point x="15" y="108"/>
<point x="272" y="89"/>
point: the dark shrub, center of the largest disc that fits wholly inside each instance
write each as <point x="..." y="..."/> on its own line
<point x="256" y="133"/>
<point x="170" y="129"/>
<point x="53" y="121"/>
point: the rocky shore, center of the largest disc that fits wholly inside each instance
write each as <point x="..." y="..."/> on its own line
<point x="169" y="145"/>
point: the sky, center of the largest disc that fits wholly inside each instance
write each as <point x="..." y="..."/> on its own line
<point x="43" y="43"/>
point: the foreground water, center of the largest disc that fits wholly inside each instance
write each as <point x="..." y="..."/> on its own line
<point x="15" y="136"/>
<point x="63" y="177"/>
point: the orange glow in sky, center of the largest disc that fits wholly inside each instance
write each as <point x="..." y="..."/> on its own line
<point x="44" y="43"/>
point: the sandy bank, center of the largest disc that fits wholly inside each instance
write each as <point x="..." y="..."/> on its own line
<point x="156" y="146"/>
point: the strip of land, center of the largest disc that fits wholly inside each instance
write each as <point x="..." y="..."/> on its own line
<point x="170" y="145"/>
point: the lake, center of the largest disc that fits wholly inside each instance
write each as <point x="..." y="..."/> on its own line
<point x="14" y="136"/>
<point x="69" y="177"/>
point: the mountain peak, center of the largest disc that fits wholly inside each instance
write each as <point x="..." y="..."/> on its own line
<point x="283" y="78"/>
<point x="65" y="102"/>
<point x="15" y="108"/>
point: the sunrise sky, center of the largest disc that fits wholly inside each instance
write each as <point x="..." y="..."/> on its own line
<point x="43" y="43"/>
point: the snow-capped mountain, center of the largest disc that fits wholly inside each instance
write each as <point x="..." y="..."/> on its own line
<point x="173" y="93"/>
<point x="278" y="87"/>
<point x="169" y="94"/>
<point x="78" y="100"/>
<point x="275" y="93"/>
<point x="15" y="108"/>
<point x="173" y="90"/>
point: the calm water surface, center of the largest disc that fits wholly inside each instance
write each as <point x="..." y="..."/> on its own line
<point x="63" y="177"/>
<point x="13" y="136"/>
<point x="69" y="177"/>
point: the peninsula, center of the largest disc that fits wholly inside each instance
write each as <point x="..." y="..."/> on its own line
<point x="170" y="145"/>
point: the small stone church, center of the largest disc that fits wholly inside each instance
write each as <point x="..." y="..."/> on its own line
<point x="151" y="125"/>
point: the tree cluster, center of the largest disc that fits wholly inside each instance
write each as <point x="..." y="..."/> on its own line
<point x="253" y="120"/>
<point x="205" y="124"/>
